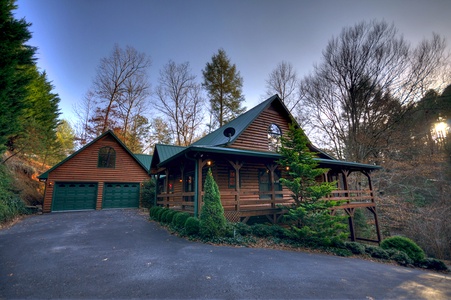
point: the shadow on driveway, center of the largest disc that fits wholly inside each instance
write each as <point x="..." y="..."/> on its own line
<point x="120" y="254"/>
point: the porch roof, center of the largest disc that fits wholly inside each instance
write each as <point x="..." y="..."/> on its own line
<point x="182" y="151"/>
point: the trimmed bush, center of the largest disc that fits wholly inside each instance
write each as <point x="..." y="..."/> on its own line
<point x="160" y="214"/>
<point x="355" y="247"/>
<point x="153" y="212"/>
<point x="212" y="219"/>
<point x="405" y="245"/>
<point x="192" y="226"/>
<point x="433" y="264"/>
<point x="376" y="252"/>
<point x="168" y="216"/>
<point x="174" y="217"/>
<point x="181" y="218"/>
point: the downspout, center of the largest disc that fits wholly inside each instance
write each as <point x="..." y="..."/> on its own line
<point x="196" y="190"/>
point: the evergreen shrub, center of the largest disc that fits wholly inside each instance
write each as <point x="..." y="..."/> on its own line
<point x="154" y="210"/>
<point x="174" y="218"/>
<point x="341" y="252"/>
<point x="148" y="193"/>
<point x="433" y="264"/>
<point x="192" y="226"/>
<point x="406" y="245"/>
<point x="160" y="214"/>
<point x="355" y="247"/>
<point x="261" y="230"/>
<point x="400" y="257"/>
<point x="168" y="216"/>
<point x="279" y="232"/>
<point x="181" y="219"/>
<point x="212" y="219"/>
<point x="242" y="228"/>
<point x="376" y="252"/>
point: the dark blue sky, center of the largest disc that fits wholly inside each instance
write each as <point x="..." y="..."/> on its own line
<point x="73" y="35"/>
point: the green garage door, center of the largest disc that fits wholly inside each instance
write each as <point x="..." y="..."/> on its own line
<point x="74" y="196"/>
<point x="121" y="195"/>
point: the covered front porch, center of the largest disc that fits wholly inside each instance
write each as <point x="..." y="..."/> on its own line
<point x="249" y="184"/>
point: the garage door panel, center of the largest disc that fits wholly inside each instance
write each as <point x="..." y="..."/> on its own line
<point x="121" y="195"/>
<point x="74" y="196"/>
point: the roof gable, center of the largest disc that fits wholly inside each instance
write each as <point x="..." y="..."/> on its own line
<point x="163" y="153"/>
<point x="109" y="134"/>
<point x="240" y="123"/>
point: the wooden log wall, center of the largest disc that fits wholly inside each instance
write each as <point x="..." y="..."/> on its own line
<point x="255" y="137"/>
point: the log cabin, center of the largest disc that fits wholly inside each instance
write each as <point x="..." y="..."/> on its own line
<point x="243" y="158"/>
<point x="103" y="174"/>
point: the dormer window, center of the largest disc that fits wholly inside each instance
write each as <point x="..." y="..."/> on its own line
<point x="107" y="158"/>
<point x="274" y="135"/>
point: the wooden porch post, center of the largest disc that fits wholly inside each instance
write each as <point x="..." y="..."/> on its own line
<point x="166" y="172"/>
<point x="157" y="179"/>
<point x="237" y="166"/>
<point x="182" y="182"/>
<point x="373" y="209"/>
<point x="272" y="169"/>
<point x="349" y="211"/>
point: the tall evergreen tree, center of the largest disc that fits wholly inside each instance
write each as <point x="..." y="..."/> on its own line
<point x="224" y="86"/>
<point x="212" y="219"/>
<point x="313" y="222"/>
<point x="15" y="57"/>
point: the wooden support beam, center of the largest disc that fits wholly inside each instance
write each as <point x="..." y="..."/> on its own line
<point x="237" y="166"/>
<point x="272" y="168"/>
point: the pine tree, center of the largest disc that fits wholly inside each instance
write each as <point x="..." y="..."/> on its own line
<point x="212" y="219"/>
<point x="313" y="222"/>
<point x="15" y="57"/>
<point x="223" y="84"/>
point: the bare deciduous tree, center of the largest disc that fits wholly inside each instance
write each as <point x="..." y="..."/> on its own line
<point x="368" y="78"/>
<point x="283" y="80"/>
<point x="115" y="75"/>
<point x="178" y="98"/>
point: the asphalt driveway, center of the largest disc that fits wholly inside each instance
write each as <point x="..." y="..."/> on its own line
<point x="120" y="254"/>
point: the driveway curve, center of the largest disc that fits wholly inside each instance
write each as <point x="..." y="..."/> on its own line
<point x="119" y="254"/>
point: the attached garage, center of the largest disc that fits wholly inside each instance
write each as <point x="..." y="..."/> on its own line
<point x="121" y="195"/>
<point x="103" y="174"/>
<point x="74" y="196"/>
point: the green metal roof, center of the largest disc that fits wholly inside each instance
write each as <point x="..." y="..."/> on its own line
<point x="45" y="175"/>
<point x="323" y="162"/>
<point x="240" y="124"/>
<point x="145" y="160"/>
<point x="164" y="152"/>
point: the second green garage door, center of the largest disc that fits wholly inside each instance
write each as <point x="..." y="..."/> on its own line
<point x="121" y="195"/>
